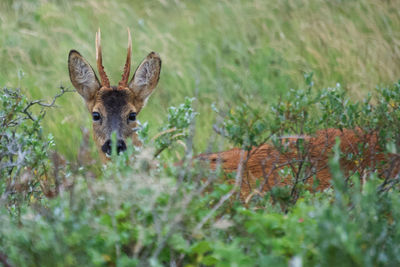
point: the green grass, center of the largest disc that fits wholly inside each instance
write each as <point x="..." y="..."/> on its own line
<point x="217" y="51"/>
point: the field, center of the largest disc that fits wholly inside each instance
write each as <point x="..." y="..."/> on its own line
<point x="217" y="51"/>
<point x="236" y="74"/>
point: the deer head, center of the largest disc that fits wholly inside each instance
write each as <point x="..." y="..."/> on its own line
<point x="114" y="108"/>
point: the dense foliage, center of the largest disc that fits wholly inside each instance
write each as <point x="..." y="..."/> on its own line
<point x="23" y="148"/>
<point x="146" y="211"/>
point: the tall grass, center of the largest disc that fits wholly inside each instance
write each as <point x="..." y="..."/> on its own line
<point x="218" y="51"/>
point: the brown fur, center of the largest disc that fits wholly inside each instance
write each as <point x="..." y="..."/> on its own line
<point x="265" y="162"/>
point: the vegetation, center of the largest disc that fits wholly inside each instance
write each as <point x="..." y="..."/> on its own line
<point x="227" y="66"/>
<point x="145" y="211"/>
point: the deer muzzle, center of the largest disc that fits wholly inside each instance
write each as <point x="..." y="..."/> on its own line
<point x="107" y="147"/>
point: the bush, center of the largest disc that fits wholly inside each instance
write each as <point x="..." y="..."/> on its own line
<point x="142" y="211"/>
<point x="303" y="112"/>
<point x="24" y="150"/>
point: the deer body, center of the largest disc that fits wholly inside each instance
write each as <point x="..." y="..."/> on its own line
<point x="266" y="162"/>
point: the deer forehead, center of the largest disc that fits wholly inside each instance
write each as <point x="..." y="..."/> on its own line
<point x="114" y="102"/>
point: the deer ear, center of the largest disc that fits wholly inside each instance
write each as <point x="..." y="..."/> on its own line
<point x="82" y="76"/>
<point x="145" y="78"/>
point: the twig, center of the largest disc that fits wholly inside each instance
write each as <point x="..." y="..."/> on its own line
<point x="3" y="260"/>
<point x="41" y="102"/>
<point x="226" y="196"/>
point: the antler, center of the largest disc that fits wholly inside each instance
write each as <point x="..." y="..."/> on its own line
<point x="103" y="76"/>
<point x="125" y="76"/>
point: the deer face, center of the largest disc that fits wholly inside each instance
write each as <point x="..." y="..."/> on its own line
<point x="114" y="108"/>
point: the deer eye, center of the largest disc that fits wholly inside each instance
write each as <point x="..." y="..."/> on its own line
<point x="132" y="116"/>
<point x="96" y="116"/>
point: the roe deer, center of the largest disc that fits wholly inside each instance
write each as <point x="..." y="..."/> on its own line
<point x="114" y="108"/>
<point x="264" y="165"/>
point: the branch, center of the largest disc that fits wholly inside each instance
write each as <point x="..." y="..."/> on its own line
<point x="3" y="260"/>
<point x="41" y="102"/>
<point x="227" y="196"/>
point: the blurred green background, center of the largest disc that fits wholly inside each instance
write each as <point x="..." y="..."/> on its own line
<point x="216" y="51"/>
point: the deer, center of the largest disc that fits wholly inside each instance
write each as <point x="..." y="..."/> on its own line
<point x="115" y="108"/>
<point x="263" y="166"/>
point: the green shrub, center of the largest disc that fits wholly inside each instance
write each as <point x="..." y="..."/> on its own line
<point x="23" y="148"/>
<point x="145" y="211"/>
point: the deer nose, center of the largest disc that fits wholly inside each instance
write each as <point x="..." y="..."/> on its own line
<point x="107" y="147"/>
<point x="121" y="146"/>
